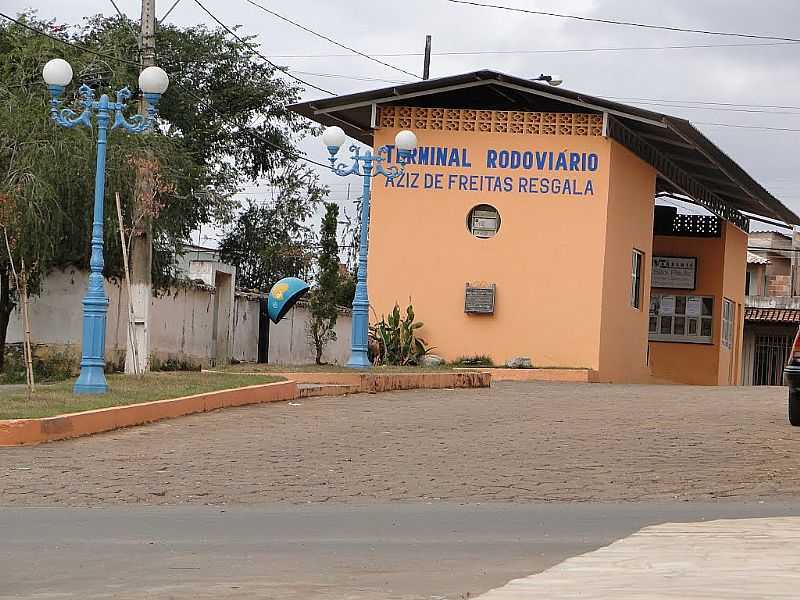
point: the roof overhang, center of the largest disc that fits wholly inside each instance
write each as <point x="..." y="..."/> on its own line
<point x="689" y="165"/>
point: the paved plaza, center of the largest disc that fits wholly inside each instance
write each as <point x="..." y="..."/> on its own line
<point x="515" y="442"/>
<point x="418" y="495"/>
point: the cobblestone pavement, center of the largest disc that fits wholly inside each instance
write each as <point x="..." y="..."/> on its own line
<point x="515" y="442"/>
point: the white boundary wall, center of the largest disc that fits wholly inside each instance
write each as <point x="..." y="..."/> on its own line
<point x="181" y="324"/>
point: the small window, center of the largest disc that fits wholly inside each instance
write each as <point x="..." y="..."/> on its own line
<point x="483" y="221"/>
<point x="636" y="278"/>
<point x="680" y="318"/>
<point x="728" y="311"/>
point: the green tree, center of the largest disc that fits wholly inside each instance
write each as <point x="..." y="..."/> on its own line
<point x="322" y="302"/>
<point x="268" y="239"/>
<point x="223" y="122"/>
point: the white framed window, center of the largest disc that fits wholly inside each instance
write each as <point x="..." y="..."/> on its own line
<point x="728" y="314"/>
<point x="637" y="260"/>
<point x="681" y="318"/>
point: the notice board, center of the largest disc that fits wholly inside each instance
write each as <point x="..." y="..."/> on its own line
<point x="674" y="272"/>
<point x="479" y="298"/>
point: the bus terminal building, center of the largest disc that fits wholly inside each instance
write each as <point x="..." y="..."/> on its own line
<point x="526" y="225"/>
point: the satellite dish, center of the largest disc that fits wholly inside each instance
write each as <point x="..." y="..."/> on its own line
<point x="283" y="296"/>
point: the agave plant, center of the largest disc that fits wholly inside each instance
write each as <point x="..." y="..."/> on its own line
<point x="396" y="341"/>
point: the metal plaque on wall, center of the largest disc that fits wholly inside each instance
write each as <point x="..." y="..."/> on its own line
<point x="479" y="298"/>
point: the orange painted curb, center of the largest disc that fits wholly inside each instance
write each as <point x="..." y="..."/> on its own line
<point x="16" y="432"/>
<point x="387" y="382"/>
<point x="551" y="375"/>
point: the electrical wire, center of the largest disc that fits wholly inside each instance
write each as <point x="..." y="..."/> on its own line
<point x="544" y="51"/>
<point x="332" y="41"/>
<point x="166" y="14"/>
<point x="68" y="43"/>
<point x="255" y="51"/>
<point x="287" y="152"/>
<point x="119" y="12"/>
<point x="714" y="108"/>
<point x="625" y="23"/>
<point x="736" y="126"/>
<point x="715" y="103"/>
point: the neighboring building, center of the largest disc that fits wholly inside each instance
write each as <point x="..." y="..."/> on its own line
<point x="526" y="226"/>
<point x="772" y="313"/>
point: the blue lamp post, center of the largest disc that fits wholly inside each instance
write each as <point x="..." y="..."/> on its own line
<point x="367" y="165"/>
<point x="153" y="82"/>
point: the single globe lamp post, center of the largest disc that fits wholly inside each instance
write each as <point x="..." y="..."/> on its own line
<point x="153" y="82"/>
<point x="367" y="165"/>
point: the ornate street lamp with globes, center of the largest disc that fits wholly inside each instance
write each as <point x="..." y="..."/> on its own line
<point x="153" y="82"/>
<point x="367" y="165"/>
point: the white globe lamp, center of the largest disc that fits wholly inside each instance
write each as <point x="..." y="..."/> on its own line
<point x="153" y="80"/>
<point x="57" y="72"/>
<point x="333" y="137"/>
<point x="405" y="140"/>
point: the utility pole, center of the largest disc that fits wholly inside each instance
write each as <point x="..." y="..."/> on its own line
<point x="141" y="255"/>
<point x="426" y="67"/>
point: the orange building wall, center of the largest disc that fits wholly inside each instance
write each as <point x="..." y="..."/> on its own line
<point x="721" y="266"/>
<point x="623" y="333"/>
<point x="546" y="260"/>
<point x="561" y="264"/>
<point x="735" y="269"/>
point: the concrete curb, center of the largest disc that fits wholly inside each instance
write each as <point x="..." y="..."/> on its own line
<point x="21" y="432"/>
<point x="18" y="432"/>
<point x="543" y="374"/>
<point x="387" y="382"/>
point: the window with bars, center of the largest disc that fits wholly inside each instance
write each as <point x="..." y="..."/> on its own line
<point x="637" y="260"/>
<point x="678" y="318"/>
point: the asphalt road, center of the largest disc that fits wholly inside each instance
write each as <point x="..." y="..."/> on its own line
<point x="314" y="552"/>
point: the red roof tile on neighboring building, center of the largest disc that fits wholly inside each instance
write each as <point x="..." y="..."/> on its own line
<point x="774" y="315"/>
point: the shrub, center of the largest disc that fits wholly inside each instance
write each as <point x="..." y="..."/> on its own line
<point x="173" y="364"/>
<point x="48" y="365"/>
<point x="480" y="360"/>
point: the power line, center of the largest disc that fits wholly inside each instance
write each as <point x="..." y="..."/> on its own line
<point x="544" y="50"/>
<point x="714" y="108"/>
<point x="68" y="43"/>
<point x="625" y="23"/>
<point x="758" y="127"/>
<point x="166" y="14"/>
<point x="264" y="58"/>
<point x="332" y="41"/>
<point x="703" y="102"/>
<point x="119" y="12"/>
<point x="285" y="151"/>
<point x="353" y="77"/>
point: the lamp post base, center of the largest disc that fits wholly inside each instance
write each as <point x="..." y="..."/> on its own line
<point x="359" y="360"/>
<point x="91" y="381"/>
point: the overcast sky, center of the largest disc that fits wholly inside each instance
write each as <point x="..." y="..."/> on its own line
<point x="666" y="80"/>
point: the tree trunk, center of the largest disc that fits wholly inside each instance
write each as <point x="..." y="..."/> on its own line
<point x="6" y="306"/>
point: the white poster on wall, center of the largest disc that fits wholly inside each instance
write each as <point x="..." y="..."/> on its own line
<point x="674" y="272"/>
<point x="667" y="306"/>
<point x="694" y="306"/>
